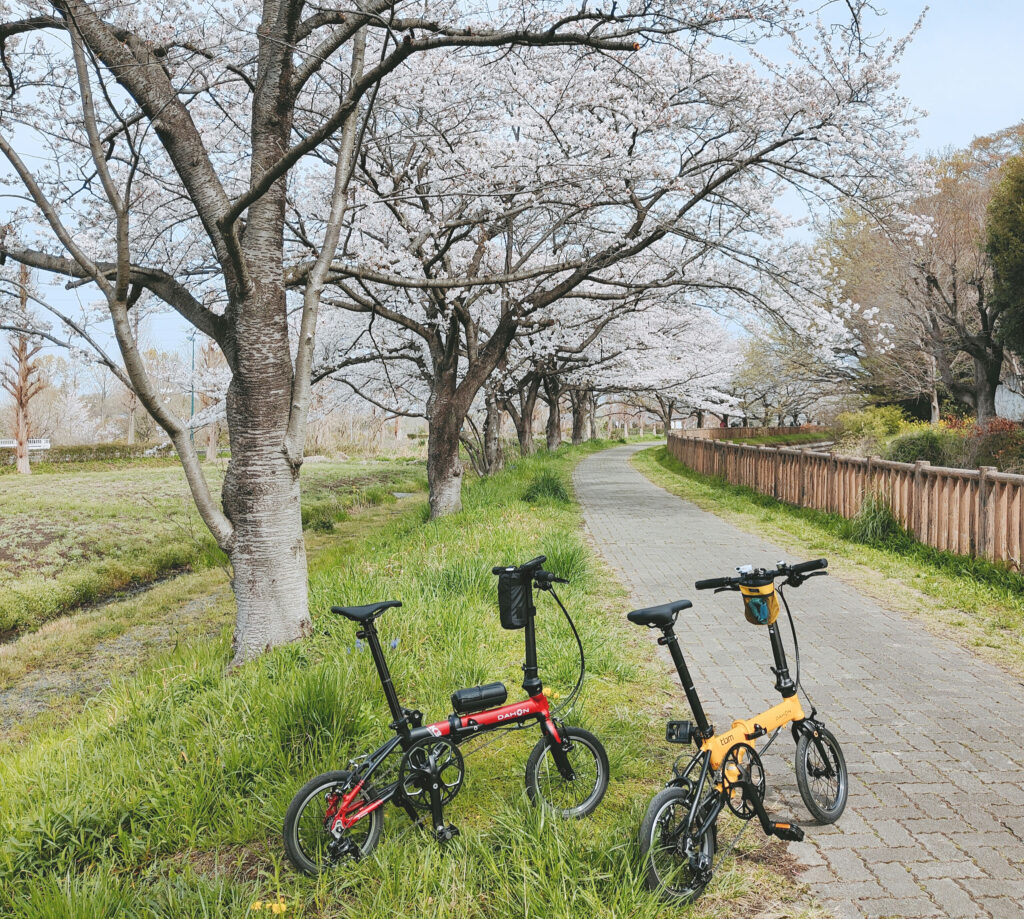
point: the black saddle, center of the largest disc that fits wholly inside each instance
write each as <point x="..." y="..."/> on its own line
<point x="659" y="616"/>
<point x="364" y="613"/>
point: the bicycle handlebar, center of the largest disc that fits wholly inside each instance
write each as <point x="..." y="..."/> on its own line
<point x="813" y="565"/>
<point x="525" y="567"/>
<point x="795" y="575"/>
<point x="548" y="577"/>
<point x="708" y="583"/>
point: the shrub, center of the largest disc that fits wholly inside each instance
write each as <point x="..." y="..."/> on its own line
<point x="546" y="486"/>
<point x="876" y="422"/>
<point x="936" y="446"/>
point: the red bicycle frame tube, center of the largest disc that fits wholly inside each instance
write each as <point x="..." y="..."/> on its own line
<point x="535" y="707"/>
<point x="346" y="817"/>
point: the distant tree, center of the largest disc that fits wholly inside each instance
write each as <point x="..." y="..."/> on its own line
<point x="1005" y="246"/>
<point x="23" y="377"/>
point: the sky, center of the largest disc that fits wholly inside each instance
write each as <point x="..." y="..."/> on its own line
<point x="964" y="68"/>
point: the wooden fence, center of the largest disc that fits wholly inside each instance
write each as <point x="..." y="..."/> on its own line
<point x="967" y="511"/>
<point x="744" y="433"/>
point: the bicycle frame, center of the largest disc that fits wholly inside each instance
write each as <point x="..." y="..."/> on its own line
<point x="410" y="730"/>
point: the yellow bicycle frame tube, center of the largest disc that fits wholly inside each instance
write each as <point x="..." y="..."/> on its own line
<point x="718" y="745"/>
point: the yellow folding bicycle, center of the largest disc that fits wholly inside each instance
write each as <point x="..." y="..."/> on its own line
<point x="678" y="835"/>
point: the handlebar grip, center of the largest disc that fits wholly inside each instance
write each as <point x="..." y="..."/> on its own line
<point x="526" y="566"/>
<point x="550" y="577"/>
<point x="708" y="583"/>
<point x="813" y="565"/>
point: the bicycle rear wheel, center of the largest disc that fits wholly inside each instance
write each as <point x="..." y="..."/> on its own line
<point x="309" y="843"/>
<point x="677" y="865"/>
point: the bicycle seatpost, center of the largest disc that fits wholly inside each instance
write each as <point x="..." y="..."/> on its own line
<point x="369" y="632"/>
<point x="669" y="640"/>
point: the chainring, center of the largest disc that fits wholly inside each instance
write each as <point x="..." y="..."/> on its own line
<point x="742" y="770"/>
<point x="429" y="759"/>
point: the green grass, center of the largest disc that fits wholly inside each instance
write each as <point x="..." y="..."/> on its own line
<point x="974" y="601"/>
<point x="76" y="538"/>
<point x="782" y="440"/>
<point x="165" y="798"/>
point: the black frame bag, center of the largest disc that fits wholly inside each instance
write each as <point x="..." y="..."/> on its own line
<point x="515" y="599"/>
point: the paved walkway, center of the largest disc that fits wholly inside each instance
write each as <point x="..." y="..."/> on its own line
<point x="933" y="736"/>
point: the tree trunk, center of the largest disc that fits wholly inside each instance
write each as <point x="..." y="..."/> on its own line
<point x="21" y="435"/>
<point x="212" y="435"/>
<point x="553" y="430"/>
<point x="934" y="399"/>
<point x="267" y="552"/>
<point x="986" y="377"/>
<point x="493" y="458"/>
<point x="132" y="406"/>
<point x="579" y="399"/>
<point x="592" y="415"/>
<point x="444" y="468"/>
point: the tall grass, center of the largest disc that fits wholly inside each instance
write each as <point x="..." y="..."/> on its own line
<point x="165" y="799"/>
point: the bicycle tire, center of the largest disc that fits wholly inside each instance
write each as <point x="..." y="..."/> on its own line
<point x="824" y="807"/>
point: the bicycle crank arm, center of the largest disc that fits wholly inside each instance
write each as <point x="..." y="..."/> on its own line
<point x="443" y="832"/>
<point x="787" y="831"/>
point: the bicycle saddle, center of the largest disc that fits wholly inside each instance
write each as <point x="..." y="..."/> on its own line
<point x="363" y="613"/>
<point x="659" y="616"/>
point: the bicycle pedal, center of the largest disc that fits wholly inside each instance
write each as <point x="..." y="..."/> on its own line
<point x="446" y="833"/>
<point x="788" y="831"/>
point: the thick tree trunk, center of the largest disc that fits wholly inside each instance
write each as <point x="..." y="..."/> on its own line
<point x="553" y="429"/>
<point x="578" y="399"/>
<point x="493" y="458"/>
<point x="986" y="379"/>
<point x="524" y="420"/>
<point x="21" y="435"/>
<point x="934" y="399"/>
<point x="444" y="468"/>
<point x="268" y="553"/>
<point x="261" y="487"/>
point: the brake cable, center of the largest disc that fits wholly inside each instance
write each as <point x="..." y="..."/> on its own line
<point x="568" y="701"/>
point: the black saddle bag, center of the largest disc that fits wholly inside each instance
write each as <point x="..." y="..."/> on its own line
<point x="515" y="599"/>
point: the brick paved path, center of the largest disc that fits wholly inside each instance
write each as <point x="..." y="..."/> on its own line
<point x="932" y="735"/>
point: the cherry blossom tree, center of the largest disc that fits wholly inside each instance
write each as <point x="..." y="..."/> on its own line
<point x="156" y="146"/>
<point x="485" y="197"/>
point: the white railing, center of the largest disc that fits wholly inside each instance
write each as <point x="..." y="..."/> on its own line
<point x="34" y="443"/>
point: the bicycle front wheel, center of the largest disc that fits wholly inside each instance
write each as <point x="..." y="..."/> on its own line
<point x="677" y="864"/>
<point x="572" y="798"/>
<point x="308" y="841"/>
<point x="821" y="775"/>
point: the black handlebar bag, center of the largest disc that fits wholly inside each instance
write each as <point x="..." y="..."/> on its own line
<point x="515" y="599"/>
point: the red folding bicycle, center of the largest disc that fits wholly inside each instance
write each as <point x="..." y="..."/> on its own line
<point x="337" y="817"/>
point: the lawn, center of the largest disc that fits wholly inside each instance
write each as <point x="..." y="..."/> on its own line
<point x="973" y="601"/>
<point x="76" y="536"/>
<point x="165" y="797"/>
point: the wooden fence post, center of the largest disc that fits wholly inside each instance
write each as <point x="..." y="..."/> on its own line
<point x="986" y="516"/>
<point x="920" y="511"/>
